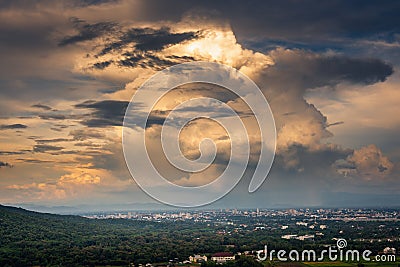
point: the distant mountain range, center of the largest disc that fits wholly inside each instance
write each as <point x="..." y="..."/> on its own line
<point x="341" y="200"/>
<point x="81" y="209"/>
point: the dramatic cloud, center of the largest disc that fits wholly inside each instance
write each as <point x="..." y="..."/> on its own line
<point x="285" y="76"/>
<point x="87" y="31"/>
<point x="67" y="186"/>
<point x="367" y="162"/>
<point x="301" y="70"/>
<point x="52" y="117"/>
<point x="84" y="134"/>
<point x="13" y="126"/>
<point x="106" y="113"/>
<point x="8" y="153"/>
<point x="302" y="127"/>
<point x="297" y="22"/>
<point x="148" y="39"/>
<point x="36" y="161"/>
<point x="40" y="106"/>
<point x="55" y="140"/>
<point x="46" y="148"/>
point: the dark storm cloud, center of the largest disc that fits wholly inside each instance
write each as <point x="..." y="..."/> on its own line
<point x="184" y="58"/>
<point x="34" y="4"/>
<point x="148" y="39"/>
<point x="300" y="70"/>
<point x="55" y="140"/>
<point x="52" y="117"/>
<point x="55" y="129"/>
<point x="148" y="60"/>
<point x="105" y="113"/>
<point x="106" y="156"/>
<point x="382" y="168"/>
<point x="84" y="134"/>
<point x="13" y="126"/>
<point x="112" y="112"/>
<point x="98" y="122"/>
<point x="5" y="164"/>
<point x="132" y="59"/>
<point x="87" y="31"/>
<point x="38" y="161"/>
<point x="288" y="20"/>
<point x="31" y="36"/>
<point x="66" y="152"/>
<point x="151" y="39"/>
<point x="88" y="144"/>
<point x="40" y="106"/>
<point x="146" y="42"/>
<point x="106" y="105"/>
<point x="46" y="148"/>
<point x="334" y="124"/>
<point x="344" y="164"/>
<point x="62" y="126"/>
<point x="7" y="153"/>
<point x="155" y="119"/>
<point x="363" y="71"/>
<point x="306" y="159"/>
<point x="102" y="65"/>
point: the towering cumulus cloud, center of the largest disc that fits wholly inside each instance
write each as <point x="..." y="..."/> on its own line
<point x="284" y="75"/>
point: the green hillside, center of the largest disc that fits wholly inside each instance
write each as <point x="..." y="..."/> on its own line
<point x="38" y="239"/>
<point x="30" y="238"/>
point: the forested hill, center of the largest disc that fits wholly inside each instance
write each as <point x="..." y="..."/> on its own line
<point x="30" y="238"/>
<point x="20" y="213"/>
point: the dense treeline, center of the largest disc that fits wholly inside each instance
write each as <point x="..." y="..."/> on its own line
<point x="239" y="262"/>
<point x="29" y="238"/>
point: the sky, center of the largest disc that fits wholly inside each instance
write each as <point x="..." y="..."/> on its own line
<point x="329" y="70"/>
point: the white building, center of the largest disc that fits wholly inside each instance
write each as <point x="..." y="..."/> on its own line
<point x="197" y="258"/>
<point x="289" y="237"/>
<point x="389" y="250"/>
<point x="304" y="237"/>
<point x="223" y="257"/>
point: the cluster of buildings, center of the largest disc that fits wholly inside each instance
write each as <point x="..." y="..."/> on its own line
<point x="228" y="215"/>
<point x="220" y="257"/>
<point x="301" y="237"/>
<point x="223" y="257"/>
<point x="389" y="250"/>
